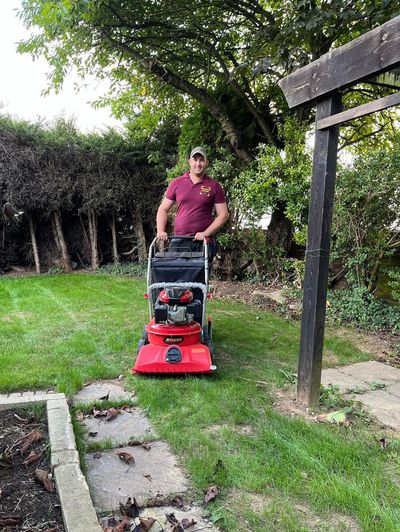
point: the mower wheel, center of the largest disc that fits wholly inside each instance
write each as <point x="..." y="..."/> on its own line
<point x="143" y="340"/>
<point x="207" y="339"/>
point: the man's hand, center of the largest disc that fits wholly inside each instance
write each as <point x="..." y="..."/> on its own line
<point x="199" y="236"/>
<point x="162" y="235"/>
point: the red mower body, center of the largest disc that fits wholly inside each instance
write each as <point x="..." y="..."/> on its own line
<point x="178" y="338"/>
<point x="173" y="349"/>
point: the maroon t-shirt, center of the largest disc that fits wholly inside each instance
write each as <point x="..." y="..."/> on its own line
<point x="195" y="203"/>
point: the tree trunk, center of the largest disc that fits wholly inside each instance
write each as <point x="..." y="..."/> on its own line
<point x="60" y="241"/>
<point x="114" y="238"/>
<point x="139" y="232"/>
<point x="34" y="243"/>
<point x="280" y="230"/>
<point x="92" y="218"/>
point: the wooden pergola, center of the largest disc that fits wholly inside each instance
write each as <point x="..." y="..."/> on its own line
<point x="321" y="83"/>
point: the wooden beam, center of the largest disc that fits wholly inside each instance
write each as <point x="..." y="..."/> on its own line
<point x="361" y="110"/>
<point x="317" y="255"/>
<point x="373" y="53"/>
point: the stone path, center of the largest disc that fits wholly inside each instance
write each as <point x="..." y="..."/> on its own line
<point x="375" y="385"/>
<point x="154" y="475"/>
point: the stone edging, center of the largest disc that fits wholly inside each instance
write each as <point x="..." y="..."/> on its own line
<point x="77" y="508"/>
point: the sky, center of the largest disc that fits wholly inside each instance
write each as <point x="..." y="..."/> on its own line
<point x="23" y="81"/>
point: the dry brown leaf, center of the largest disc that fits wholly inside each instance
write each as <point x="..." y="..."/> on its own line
<point x="79" y="415"/>
<point x="172" y="519"/>
<point x="211" y="493"/>
<point x="97" y="454"/>
<point x="10" y="520"/>
<point x="130" y="509"/>
<point x="112" y="413"/>
<point x="32" y="457"/>
<point x="42" y="476"/>
<point x="177" y="528"/>
<point x="186" y="523"/>
<point x="93" y="434"/>
<point x="148" y="477"/>
<point x="125" y="457"/>
<point x="27" y="440"/>
<point x="24" y="420"/>
<point x="146" y="523"/>
<point x="177" y="501"/>
<point x="105" y="397"/>
<point x="121" y="527"/>
<point x="99" y="413"/>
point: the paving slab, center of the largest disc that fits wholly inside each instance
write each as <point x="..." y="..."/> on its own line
<point x="336" y="377"/>
<point x="126" y="426"/>
<point x="155" y="471"/>
<point x="384" y="406"/>
<point x="394" y="389"/>
<point x="372" y="371"/>
<point x="93" y="392"/>
<point x="163" y="524"/>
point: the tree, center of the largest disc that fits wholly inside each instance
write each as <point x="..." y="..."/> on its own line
<point x="226" y="56"/>
<point x="366" y="215"/>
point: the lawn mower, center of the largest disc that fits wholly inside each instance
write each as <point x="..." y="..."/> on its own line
<point x="178" y="337"/>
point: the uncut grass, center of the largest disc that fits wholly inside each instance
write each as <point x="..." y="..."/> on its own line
<point x="60" y="331"/>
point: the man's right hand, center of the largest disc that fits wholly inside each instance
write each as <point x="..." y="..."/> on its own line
<point x="162" y="235"/>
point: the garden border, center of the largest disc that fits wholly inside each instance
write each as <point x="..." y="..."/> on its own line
<point x="77" y="507"/>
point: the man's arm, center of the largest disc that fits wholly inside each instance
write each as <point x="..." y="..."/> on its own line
<point x="162" y="217"/>
<point x="222" y="216"/>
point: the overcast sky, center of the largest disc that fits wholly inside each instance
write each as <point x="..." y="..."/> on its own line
<point x="23" y="80"/>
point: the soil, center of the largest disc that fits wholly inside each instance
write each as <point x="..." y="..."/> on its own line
<point x="25" y="504"/>
<point x="380" y="344"/>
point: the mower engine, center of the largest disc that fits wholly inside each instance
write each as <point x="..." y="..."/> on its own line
<point x="177" y="306"/>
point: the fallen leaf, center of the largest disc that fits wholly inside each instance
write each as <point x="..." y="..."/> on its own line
<point x="383" y="443"/>
<point x="93" y="434"/>
<point x="148" y="477"/>
<point x="6" y="459"/>
<point x="97" y="454"/>
<point x="27" y="440"/>
<point x="99" y="413"/>
<point x="112" y="413"/>
<point x="105" y="397"/>
<point x="171" y="519"/>
<point x="145" y="523"/>
<point x="177" y="501"/>
<point x="186" y="523"/>
<point x="32" y="457"/>
<point x="130" y="509"/>
<point x="338" y="417"/>
<point x="10" y="520"/>
<point x="177" y="528"/>
<point x="126" y="457"/>
<point x="42" y="476"/>
<point x="24" y="420"/>
<point x="120" y="527"/>
<point x="210" y="494"/>
<point x="79" y="415"/>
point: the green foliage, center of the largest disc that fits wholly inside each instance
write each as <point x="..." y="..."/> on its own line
<point x="394" y="283"/>
<point x="117" y="269"/>
<point x="278" y="177"/>
<point x="366" y="214"/>
<point x="359" y="307"/>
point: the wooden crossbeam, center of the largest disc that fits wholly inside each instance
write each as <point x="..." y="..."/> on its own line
<point x="361" y="110"/>
<point x="373" y="53"/>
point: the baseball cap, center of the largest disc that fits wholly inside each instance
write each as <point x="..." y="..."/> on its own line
<point x="198" y="150"/>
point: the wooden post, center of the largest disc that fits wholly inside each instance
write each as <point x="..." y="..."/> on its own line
<point x="317" y="254"/>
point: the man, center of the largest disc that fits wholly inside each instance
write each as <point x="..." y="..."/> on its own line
<point x="196" y="195"/>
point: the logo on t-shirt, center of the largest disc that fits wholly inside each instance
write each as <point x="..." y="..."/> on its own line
<point x="205" y="191"/>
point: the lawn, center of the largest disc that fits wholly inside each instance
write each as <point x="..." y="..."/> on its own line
<point x="275" y="472"/>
